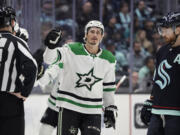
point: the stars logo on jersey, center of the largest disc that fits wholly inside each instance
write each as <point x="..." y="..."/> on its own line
<point x="87" y="80"/>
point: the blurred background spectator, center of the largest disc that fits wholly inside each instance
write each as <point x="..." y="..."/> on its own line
<point x="138" y="56"/>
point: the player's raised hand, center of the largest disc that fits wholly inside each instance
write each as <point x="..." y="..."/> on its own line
<point x="53" y="38"/>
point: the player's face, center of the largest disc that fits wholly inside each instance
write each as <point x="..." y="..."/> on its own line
<point x="94" y="36"/>
<point x="168" y="34"/>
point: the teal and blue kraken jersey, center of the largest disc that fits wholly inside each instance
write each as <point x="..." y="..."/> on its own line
<point x="87" y="82"/>
<point x="166" y="88"/>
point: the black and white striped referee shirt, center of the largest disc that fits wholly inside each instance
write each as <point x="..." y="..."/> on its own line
<point x="15" y="61"/>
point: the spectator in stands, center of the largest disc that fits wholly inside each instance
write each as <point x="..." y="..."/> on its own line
<point x="122" y="63"/>
<point x="135" y="80"/>
<point x="149" y="28"/>
<point x="142" y="12"/>
<point x="141" y="37"/>
<point x="63" y="9"/>
<point x="138" y="56"/>
<point x="124" y="19"/>
<point x="145" y="75"/>
<point x="84" y="15"/>
<point x="111" y="27"/>
<point x="108" y="11"/>
<point x="119" y="41"/>
<point x="45" y="28"/>
<point x="147" y="69"/>
<point x="46" y="11"/>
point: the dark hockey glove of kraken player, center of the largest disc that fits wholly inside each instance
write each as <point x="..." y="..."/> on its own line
<point x="110" y="115"/>
<point x="53" y="38"/>
<point x="38" y="56"/>
<point x="146" y="112"/>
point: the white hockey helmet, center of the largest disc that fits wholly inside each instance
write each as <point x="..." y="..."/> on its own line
<point x="94" y="23"/>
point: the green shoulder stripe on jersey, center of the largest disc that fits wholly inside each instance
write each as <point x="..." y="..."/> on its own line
<point x="107" y="55"/>
<point x="109" y="89"/>
<point x="78" y="104"/>
<point x="78" y="49"/>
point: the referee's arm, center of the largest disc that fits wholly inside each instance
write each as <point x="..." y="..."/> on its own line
<point x="28" y="67"/>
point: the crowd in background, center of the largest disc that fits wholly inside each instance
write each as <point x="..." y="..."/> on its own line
<point x="116" y="19"/>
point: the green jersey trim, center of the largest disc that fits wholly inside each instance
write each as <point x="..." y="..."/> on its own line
<point x="107" y="56"/>
<point x="50" y="101"/>
<point x="58" y="57"/>
<point x="78" y="49"/>
<point x="166" y="112"/>
<point x="60" y="65"/>
<point x="109" y="89"/>
<point x="78" y="104"/>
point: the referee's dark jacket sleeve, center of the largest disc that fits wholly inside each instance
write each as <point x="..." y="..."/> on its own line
<point x="28" y="68"/>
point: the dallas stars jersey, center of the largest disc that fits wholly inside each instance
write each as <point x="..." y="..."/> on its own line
<point x="166" y="89"/>
<point x="86" y="81"/>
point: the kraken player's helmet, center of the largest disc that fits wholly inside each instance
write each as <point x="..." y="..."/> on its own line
<point x="172" y="19"/>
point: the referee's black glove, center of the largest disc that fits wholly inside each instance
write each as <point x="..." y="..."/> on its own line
<point x="38" y="56"/>
<point x="146" y="112"/>
<point x="110" y="115"/>
<point x="53" y="38"/>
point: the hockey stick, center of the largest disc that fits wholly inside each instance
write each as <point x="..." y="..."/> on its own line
<point x="120" y="82"/>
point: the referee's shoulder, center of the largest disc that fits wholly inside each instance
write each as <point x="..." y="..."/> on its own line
<point x="18" y="40"/>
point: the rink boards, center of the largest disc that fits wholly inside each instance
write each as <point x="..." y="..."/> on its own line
<point x="128" y="121"/>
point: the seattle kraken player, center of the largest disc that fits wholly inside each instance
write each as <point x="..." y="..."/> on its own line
<point x="162" y="111"/>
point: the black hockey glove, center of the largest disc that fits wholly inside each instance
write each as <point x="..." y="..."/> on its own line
<point x="110" y="115"/>
<point x="53" y="38"/>
<point x="23" y="34"/>
<point x="146" y="112"/>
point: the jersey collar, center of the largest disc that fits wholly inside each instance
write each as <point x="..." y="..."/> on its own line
<point x="93" y="55"/>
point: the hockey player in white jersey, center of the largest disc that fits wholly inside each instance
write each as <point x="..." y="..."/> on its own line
<point x="87" y="76"/>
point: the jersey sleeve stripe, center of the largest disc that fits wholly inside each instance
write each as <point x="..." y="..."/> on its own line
<point x="110" y="83"/>
<point x="52" y="97"/>
<point x="50" y="101"/>
<point x="109" y="89"/>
